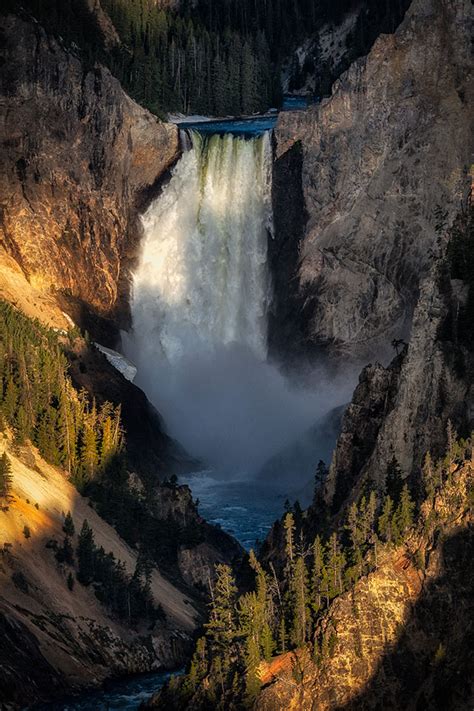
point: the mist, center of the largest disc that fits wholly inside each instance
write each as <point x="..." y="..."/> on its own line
<point x="234" y="412"/>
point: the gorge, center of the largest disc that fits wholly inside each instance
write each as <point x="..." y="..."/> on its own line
<point x="201" y="296"/>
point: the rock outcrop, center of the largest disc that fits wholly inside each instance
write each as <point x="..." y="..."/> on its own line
<point x="79" y="158"/>
<point x="402" y="411"/>
<point x="383" y="170"/>
<point x="394" y="641"/>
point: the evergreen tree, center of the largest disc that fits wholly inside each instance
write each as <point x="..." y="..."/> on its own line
<point x="6" y="477"/>
<point x="385" y="520"/>
<point x="335" y="564"/>
<point x="199" y="666"/>
<point x="289" y="525"/>
<point x="89" y="454"/>
<point x="319" y="479"/>
<point x="252" y="663"/>
<point x="68" y="525"/>
<point x="404" y="513"/>
<point x="10" y="400"/>
<point x="282" y="636"/>
<point x="86" y="554"/>
<point x="267" y="642"/>
<point x="300" y="603"/>
<point x="317" y="575"/>
<point x="428" y="476"/>
<point x="221" y="628"/>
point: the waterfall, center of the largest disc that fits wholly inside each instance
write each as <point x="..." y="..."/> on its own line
<point x="202" y="281"/>
<point x="200" y="296"/>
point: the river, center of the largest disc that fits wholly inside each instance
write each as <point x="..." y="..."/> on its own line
<point x="124" y="694"/>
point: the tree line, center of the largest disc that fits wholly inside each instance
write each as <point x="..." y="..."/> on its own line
<point x="210" y="57"/>
<point x="282" y="611"/>
<point x="39" y="403"/>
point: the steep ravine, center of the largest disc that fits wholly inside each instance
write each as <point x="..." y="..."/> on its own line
<point x="80" y="160"/>
<point x="363" y="191"/>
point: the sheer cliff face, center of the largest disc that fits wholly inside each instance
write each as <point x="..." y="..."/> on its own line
<point x="402" y="411"/>
<point x="384" y="164"/>
<point x="78" y="156"/>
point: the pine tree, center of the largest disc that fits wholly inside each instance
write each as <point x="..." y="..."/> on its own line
<point x="317" y="574"/>
<point x="335" y="565"/>
<point x="6" y="478"/>
<point x="267" y="643"/>
<point x="289" y="525"/>
<point x="319" y="479"/>
<point x="89" y="455"/>
<point x="371" y="511"/>
<point x="221" y="628"/>
<point x="353" y="526"/>
<point x="252" y="663"/>
<point x="385" y="520"/>
<point x="68" y="525"/>
<point x="428" y="476"/>
<point x="67" y="428"/>
<point x="300" y="603"/>
<point x="10" y="400"/>
<point x="404" y="513"/>
<point x="86" y="554"/>
<point x="199" y="666"/>
<point x="282" y="635"/>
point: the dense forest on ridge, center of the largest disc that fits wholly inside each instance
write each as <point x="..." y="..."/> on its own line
<point x="213" y="58"/>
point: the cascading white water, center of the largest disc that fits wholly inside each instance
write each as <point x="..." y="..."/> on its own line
<point x="199" y="306"/>
<point x="202" y="281"/>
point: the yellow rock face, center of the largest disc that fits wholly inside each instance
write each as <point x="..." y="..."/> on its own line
<point x="78" y="158"/>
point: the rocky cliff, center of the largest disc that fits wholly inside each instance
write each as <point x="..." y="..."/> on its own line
<point x="79" y="158"/>
<point x="401" y="412"/>
<point x="400" y="639"/>
<point x="370" y="176"/>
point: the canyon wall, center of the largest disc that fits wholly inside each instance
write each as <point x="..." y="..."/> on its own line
<point x="402" y="411"/>
<point x="393" y="641"/>
<point x="377" y="172"/>
<point x="79" y="158"/>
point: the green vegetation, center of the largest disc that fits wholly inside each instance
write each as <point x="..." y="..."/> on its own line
<point x="39" y="403"/>
<point x="128" y="597"/>
<point x="207" y="57"/>
<point x="284" y="609"/>
<point x="5" y="476"/>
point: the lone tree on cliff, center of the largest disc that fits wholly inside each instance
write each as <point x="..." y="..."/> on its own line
<point x="68" y="525"/>
<point x="5" y="476"/>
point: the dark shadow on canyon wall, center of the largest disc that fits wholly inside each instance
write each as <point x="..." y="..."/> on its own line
<point x="432" y="665"/>
<point x="287" y="322"/>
